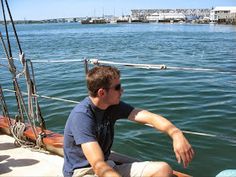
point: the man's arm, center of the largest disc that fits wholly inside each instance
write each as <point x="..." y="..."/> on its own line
<point x="182" y="148"/>
<point x="94" y="155"/>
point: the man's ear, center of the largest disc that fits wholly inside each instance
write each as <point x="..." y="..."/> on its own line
<point x="101" y="92"/>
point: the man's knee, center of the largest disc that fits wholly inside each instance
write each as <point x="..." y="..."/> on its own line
<point x="165" y="168"/>
<point x="162" y="169"/>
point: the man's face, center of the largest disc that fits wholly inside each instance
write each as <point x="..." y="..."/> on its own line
<point x="114" y="93"/>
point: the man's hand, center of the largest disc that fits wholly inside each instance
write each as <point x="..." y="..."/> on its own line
<point x="182" y="148"/>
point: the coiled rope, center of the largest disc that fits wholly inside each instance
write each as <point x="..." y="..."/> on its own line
<point x="17" y="131"/>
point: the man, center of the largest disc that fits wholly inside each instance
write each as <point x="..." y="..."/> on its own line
<point x="89" y="131"/>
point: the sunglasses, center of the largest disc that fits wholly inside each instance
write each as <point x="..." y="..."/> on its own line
<point x="117" y="87"/>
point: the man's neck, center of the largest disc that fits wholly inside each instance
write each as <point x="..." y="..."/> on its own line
<point x="98" y="103"/>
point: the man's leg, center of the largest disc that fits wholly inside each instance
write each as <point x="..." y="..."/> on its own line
<point x="144" y="169"/>
<point x="88" y="172"/>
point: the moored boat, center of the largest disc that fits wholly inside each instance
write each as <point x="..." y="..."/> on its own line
<point x="94" y="21"/>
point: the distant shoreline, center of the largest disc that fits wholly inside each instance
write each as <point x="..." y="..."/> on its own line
<point x="51" y="22"/>
<point x="194" y="16"/>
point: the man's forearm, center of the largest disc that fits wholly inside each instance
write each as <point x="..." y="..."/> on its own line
<point x="157" y="121"/>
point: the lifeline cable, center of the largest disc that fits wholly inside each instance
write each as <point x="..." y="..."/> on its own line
<point x="222" y="137"/>
<point x="135" y="65"/>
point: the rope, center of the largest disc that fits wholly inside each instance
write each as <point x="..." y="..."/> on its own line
<point x="3" y="65"/>
<point x="57" y="61"/>
<point x="221" y="137"/>
<point x="4" y="106"/>
<point x="39" y="141"/>
<point x="6" y="29"/>
<point x="39" y="117"/>
<point x="44" y="96"/>
<point x="135" y="65"/>
<point x="226" y="138"/>
<point x="13" y="26"/>
<point x="147" y="66"/>
<point x="17" y="131"/>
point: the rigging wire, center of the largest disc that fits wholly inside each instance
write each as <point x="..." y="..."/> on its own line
<point x="44" y="96"/>
<point x="4" y="107"/>
<point x="6" y="29"/>
<point x="221" y="137"/>
<point x="13" y="26"/>
<point x="30" y="84"/>
<point x="135" y="65"/>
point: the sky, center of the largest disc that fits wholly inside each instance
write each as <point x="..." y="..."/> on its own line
<point x="48" y="9"/>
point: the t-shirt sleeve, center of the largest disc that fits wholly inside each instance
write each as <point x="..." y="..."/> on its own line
<point x="122" y="110"/>
<point x="83" y="128"/>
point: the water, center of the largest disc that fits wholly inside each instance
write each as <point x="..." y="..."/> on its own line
<point x="197" y="101"/>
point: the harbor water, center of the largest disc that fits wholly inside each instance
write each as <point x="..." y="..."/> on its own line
<point x="194" y="99"/>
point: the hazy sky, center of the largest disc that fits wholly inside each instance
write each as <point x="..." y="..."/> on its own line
<point x="46" y="9"/>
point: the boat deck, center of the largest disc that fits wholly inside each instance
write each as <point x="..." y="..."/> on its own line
<point x="18" y="161"/>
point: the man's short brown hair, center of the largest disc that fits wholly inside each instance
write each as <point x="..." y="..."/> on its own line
<point x="101" y="77"/>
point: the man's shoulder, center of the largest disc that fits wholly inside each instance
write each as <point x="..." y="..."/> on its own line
<point x="83" y="106"/>
<point x="82" y="109"/>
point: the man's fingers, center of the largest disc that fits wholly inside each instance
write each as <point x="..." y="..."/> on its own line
<point x="190" y="154"/>
<point x="178" y="157"/>
<point x="185" y="157"/>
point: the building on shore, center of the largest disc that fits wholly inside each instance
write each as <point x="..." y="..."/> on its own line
<point x="223" y="15"/>
<point x="186" y="14"/>
<point x="166" y="17"/>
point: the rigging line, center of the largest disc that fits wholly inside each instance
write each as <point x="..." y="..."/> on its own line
<point x="38" y="110"/>
<point x="4" y="47"/>
<point x="44" y="96"/>
<point x="3" y="65"/>
<point x="50" y="61"/>
<point x="12" y="69"/>
<point x="148" y="66"/>
<point x="12" y="58"/>
<point x="6" y="29"/>
<point x="13" y="26"/>
<point x="57" y="61"/>
<point x="4" y="107"/>
<point x="222" y="137"/>
<point x="135" y="65"/>
<point x="19" y="97"/>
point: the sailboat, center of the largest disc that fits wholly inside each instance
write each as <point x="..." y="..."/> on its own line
<point x="28" y="128"/>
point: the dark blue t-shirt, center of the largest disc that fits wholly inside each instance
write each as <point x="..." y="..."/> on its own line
<point x="87" y="123"/>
